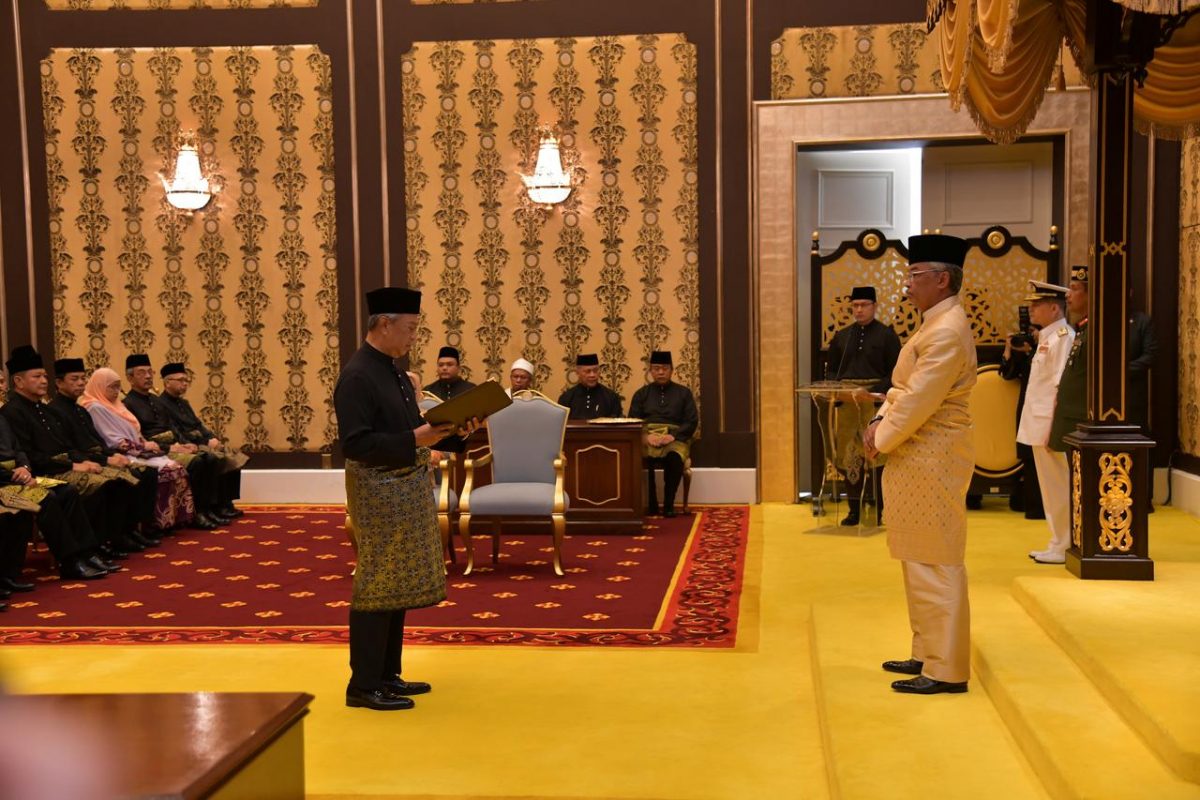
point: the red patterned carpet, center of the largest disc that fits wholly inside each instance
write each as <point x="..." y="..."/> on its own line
<point x="282" y="574"/>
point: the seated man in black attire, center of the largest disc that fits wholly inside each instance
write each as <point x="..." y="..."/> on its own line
<point x="204" y="469"/>
<point x="184" y="418"/>
<point x="449" y="383"/>
<point x="669" y="413"/>
<point x="70" y="377"/>
<point x="589" y="398"/>
<point x="59" y="515"/>
<point x="110" y="496"/>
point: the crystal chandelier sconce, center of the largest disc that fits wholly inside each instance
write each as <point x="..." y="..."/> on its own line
<point x="188" y="189"/>
<point x="549" y="184"/>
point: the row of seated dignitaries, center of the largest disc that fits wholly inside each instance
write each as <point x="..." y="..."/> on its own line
<point x="103" y="477"/>
<point x="667" y="409"/>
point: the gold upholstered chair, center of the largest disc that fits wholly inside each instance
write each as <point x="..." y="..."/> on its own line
<point x="994" y="412"/>
<point x="527" y="463"/>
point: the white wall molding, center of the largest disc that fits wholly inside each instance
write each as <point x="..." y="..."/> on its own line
<point x="709" y="485"/>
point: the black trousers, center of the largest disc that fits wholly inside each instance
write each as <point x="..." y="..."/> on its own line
<point x="146" y="493"/>
<point x="15" y="532"/>
<point x="231" y="486"/>
<point x="113" y="510"/>
<point x="672" y="467"/>
<point x="376" y="641"/>
<point x="1027" y="497"/>
<point x="64" y="525"/>
<point x="873" y="477"/>
<point x="204" y="475"/>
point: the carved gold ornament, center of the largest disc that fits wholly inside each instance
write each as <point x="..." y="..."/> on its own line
<point x="995" y="240"/>
<point x="1076" y="501"/>
<point x="1116" y="502"/>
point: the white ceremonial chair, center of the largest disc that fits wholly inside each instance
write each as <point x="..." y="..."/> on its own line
<point x="526" y="457"/>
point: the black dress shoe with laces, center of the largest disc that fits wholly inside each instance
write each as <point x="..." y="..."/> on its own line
<point x="231" y="511"/>
<point x="378" y="700"/>
<point x="923" y="685"/>
<point x="14" y="585"/>
<point x="402" y="688"/>
<point x="909" y="666"/>
<point x="100" y="563"/>
<point x="204" y="522"/>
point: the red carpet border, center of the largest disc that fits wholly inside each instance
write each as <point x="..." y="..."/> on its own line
<point x="282" y="574"/>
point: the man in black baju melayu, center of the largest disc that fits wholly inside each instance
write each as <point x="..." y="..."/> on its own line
<point x="389" y="500"/>
<point x="670" y="418"/>
<point x="865" y="352"/>
<point x="175" y="384"/>
<point x="449" y="384"/>
<point x="588" y="398"/>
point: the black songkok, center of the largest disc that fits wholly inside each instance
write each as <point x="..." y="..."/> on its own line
<point x="136" y="360"/>
<point x="23" y="358"/>
<point x="172" y="369"/>
<point x="587" y="360"/>
<point x="448" y="352"/>
<point x="661" y="357"/>
<point x="863" y="293"/>
<point x="65" y="366"/>
<point x="393" y="300"/>
<point x="937" y="247"/>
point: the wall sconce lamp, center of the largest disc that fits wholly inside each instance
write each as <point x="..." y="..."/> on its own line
<point x="549" y="184"/>
<point x="188" y="189"/>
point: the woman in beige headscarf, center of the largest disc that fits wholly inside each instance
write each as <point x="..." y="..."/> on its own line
<point x="119" y="428"/>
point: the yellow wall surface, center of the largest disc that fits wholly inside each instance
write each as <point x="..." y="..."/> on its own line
<point x="245" y="291"/>
<point x="614" y="270"/>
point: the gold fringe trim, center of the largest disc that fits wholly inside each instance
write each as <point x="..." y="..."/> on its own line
<point x="1160" y="130"/>
<point x="1010" y="134"/>
<point x="933" y="13"/>
<point x="1164" y="7"/>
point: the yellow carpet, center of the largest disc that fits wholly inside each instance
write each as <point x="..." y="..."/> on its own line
<point x="610" y="723"/>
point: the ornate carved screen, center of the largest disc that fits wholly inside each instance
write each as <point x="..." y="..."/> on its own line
<point x="995" y="281"/>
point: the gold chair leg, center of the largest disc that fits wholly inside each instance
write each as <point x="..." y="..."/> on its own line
<point x="444" y="527"/>
<point x="464" y="533"/>
<point x="560" y="526"/>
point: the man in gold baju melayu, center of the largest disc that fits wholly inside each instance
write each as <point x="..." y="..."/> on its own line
<point x="925" y="428"/>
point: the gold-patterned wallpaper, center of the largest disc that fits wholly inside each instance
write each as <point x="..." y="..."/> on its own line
<point x="614" y="270"/>
<point x="863" y="61"/>
<point x="245" y="291"/>
<point x="994" y="287"/>
<point x="164" y="5"/>
<point x="1189" y="298"/>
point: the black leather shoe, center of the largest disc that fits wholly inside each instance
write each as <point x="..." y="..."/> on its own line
<point x="221" y="517"/>
<point x="923" y="685"/>
<point x="378" y="700"/>
<point x="204" y="522"/>
<point x="652" y="511"/>
<point x="669" y="513"/>
<point x="851" y="520"/>
<point x="99" y="563"/>
<point x="80" y="570"/>
<point x="145" y="542"/>
<point x="14" y="585"/>
<point x="5" y="594"/>
<point x="231" y="511"/>
<point x="909" y="666"/>
<point x="3" y="606"/>
<point x="127" y="545"/>
<point x="403" y="688"/>
<point x="111" y="552"/>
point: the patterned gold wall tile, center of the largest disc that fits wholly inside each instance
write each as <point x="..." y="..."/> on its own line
<point x="614" y="269"/>
<point x="235" y="290"/>
<point x="862" y="61"/>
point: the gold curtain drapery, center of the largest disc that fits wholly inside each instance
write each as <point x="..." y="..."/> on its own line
<point x="997" y="57"/>
<point x="1159" y="6"/>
